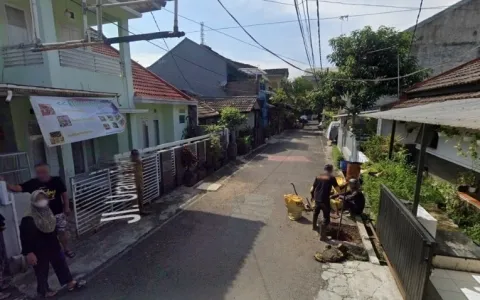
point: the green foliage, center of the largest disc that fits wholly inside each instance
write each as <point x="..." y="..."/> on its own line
<point x="213" y="128"/>
<point x="367" y="53"/>
<point x="215" y="146"/>
<point x="400" y="178"/>
<point x="337" y="156"/>
<point x="232" y="118"/>
<point x="467" y="178"/>
<point x="376" y="148"/>
<point x="294" y="93"/>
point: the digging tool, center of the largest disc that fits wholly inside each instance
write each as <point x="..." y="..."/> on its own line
<point x="341" y="216"/>
<point x="308" y="207"/>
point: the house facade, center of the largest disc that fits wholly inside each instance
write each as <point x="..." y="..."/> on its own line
<point x="446" y="155"/>
<point x="275" y="77"/>
<point x="198" y="70"/>
<point x="154" y="111"/>
<point x="448" y="38"/>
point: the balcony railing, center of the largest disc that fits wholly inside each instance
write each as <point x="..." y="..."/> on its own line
<point x="21" y="57"/>
<point x="88" y="60"/>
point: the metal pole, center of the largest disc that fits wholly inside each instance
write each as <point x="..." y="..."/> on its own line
<point x="86" y="36"/>
<point x="392" y="140"/>
<point x="398" y="75"/>
<point x="99" y="19"/>
<point x="175" y="17"/>
<point x="420" y="165"/>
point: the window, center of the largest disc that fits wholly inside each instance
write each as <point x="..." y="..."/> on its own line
<point x="70" y="33"/>
<point x="156" y="128"/>
<point x="16" y="26"/>
<point x="181" y="119"/>
<point x="146" y="142"/>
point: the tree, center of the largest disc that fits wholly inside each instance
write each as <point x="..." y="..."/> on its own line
<point x="373" y="54"/>
<point x="232" y="118"/>
<point x="294" y="93"/>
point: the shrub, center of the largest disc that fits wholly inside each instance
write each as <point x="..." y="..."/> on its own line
<point x="232" y="118"/>
<point x="376" y="148"/>
<point x="337" y="156"/>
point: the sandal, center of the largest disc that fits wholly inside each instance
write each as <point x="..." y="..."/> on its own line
<point x="49" y="294"/>
<point x="78" y="284"/>
<point x="70" y="254"/>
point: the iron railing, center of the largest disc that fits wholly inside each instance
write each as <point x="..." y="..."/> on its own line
<point x="408" y="245"/>
<point x="19" y="57"/>
<point x="15" y="167"/>
<point x="162" y="172"/>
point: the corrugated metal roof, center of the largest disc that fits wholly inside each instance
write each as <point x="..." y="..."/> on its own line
<point x="428" y="100"/>
<point x="459" y="113"/>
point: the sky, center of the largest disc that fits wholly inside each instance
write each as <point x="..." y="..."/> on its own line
<point x="284" y="39"/>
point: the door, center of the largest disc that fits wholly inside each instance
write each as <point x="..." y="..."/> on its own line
<point x="17" y="28"/>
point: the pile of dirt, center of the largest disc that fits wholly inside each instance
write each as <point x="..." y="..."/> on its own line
<point x="341" y="252"/>
<point x="347" y="233"/>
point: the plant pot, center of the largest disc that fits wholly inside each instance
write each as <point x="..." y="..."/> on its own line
<point x="478" y="142"/>
<point x="462" y="188"/>
<point x="472" y="189"/>
<point x="468" y="139"/>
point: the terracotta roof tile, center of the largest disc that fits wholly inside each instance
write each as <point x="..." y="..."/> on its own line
<point x="243" y="103"/>
<point x="428" y="100"/>
<point x="205" y="111"/>
<point x="145" y="83"/>
<point x="464" y="74"/>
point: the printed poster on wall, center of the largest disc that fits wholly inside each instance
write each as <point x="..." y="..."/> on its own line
<point x="68" y="120"/>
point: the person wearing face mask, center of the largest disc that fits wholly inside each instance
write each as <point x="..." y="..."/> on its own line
<point x="41" y="247"/>
<point x="59" y="203"/>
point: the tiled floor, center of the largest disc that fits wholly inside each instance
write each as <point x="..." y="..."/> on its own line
<point x="455" y="285"/>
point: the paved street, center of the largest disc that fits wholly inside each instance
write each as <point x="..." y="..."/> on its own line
<point x="237" y="242"/>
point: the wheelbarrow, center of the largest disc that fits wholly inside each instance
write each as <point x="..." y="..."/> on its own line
<point x="308" y="205"/>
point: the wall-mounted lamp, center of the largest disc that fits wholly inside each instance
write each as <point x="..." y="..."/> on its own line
<point x="69" y="14"/>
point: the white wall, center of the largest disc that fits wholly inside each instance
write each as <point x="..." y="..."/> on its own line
<point x="446" y="146"/>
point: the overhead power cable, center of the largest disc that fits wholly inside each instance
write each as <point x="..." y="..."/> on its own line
<point x="301" y="32"/>
<point x="321" y="19"/>
<point x="415" y="28"/>
<point x="319" y="37"/>
<point x="171" y="54"/>
<point x="362" y="4"/>
<point x="230" y="36"/>
<point x="310" y="35"/>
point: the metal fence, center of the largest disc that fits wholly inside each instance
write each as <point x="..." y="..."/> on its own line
<point x="162" y="172"/>
<point x="15" y="167"/>
<point x="408" y="245"/>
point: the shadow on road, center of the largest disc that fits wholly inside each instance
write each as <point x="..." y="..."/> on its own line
<point x="196" y="257"/>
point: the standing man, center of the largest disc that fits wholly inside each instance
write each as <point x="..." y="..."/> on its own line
<point x="320" y="191"/>
<point x="138" y="173"/>
<point x="58" y="199"/>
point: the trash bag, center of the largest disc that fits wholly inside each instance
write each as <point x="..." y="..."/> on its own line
<point x="294" y="206"/>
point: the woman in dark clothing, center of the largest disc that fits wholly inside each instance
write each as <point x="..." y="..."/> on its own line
<point x="41" y="247"/>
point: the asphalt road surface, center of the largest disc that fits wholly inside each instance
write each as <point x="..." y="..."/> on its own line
<point x="236" y="243"/>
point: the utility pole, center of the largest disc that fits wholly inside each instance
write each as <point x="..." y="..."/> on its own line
<point x="202" y="33"/>
<point x="398" y="75"/>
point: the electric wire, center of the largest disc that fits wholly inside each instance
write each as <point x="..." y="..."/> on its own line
<point x="415" y="28"/>
<point x="319" y="37"/>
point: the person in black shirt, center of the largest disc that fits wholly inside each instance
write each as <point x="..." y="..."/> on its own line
<point x="320" y="192"/>
<point x="58" y="199"/>
<point x="41" y="247"/>
<point x="353" y="200"/>
<point x="5" y="275"/>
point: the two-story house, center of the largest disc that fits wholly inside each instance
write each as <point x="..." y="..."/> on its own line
<point x="198" y="70"/>
<point x="275" y="77"/>
<point x="153" y="111"/>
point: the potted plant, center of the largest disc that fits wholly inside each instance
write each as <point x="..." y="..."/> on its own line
<point x="189" y="161"/>
<point x="232" y="118"/>
<point x="216" y="150"/>
<point x="467" y="182"/>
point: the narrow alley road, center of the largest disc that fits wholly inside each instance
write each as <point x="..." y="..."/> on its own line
<point x="236" y="243"/>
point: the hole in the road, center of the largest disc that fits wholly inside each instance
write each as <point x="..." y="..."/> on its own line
<point x="347" y="233"/>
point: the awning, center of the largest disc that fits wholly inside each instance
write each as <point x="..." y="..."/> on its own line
<point x="455" y="113"/>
